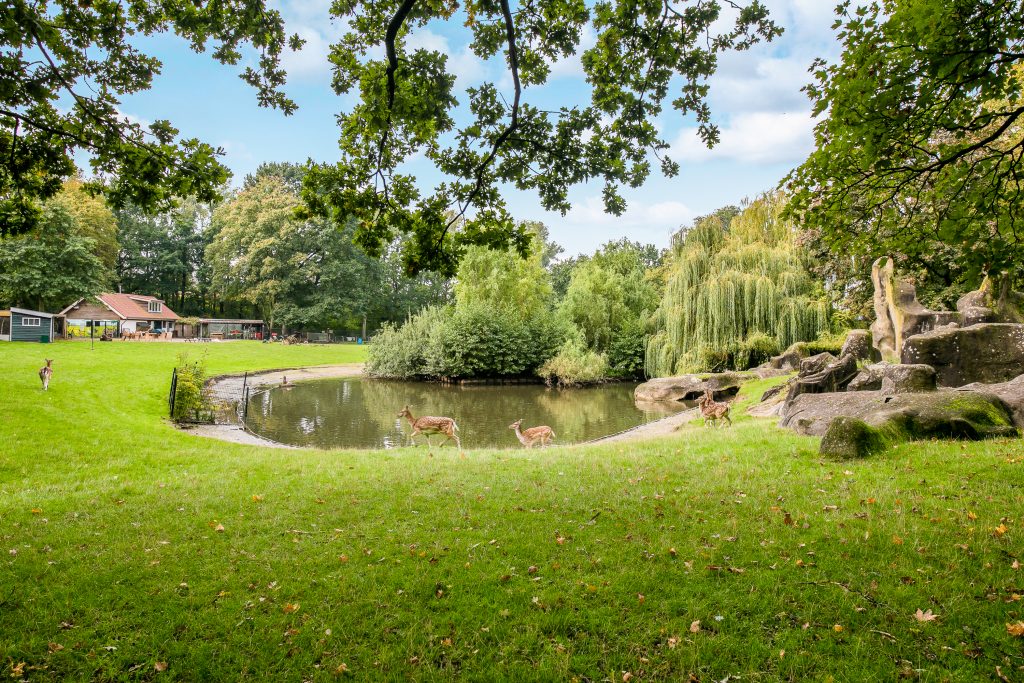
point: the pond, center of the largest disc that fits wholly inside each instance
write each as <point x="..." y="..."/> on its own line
<point x="361" y="413"/>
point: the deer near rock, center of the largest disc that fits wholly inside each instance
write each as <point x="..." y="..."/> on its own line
<point x="530" y="436"/>
<point x="427" y="425"/>
<point x="712" y="410"/>
<point x="46" y="373"/>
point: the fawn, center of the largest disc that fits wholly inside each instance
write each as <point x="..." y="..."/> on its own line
<point x="431" y="425"/>
<point x="712" y="410"/>
<point x="530" y="436"/>
<point x="46" y="373"/>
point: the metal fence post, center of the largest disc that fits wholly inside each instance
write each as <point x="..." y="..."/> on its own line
<point x="174" y="387"/>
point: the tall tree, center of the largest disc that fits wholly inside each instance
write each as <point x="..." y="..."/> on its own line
<point x="920" y="149"/>
<point x="94" y="220"/>
<point x="736" y="295"/>
<point x="164" y="254"/>
<point x="85" y="54"/>
<point x="50" y="267"/>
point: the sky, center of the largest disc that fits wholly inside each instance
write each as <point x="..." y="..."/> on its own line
<point x="755" y="97"/>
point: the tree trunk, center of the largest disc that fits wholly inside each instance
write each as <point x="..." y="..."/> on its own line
<point x="364" y="327"/>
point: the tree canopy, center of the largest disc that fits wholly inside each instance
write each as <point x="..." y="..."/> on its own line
<point x="920" y="151"/>
<point x="407" y="98"/>
<point x="65" y="64"/>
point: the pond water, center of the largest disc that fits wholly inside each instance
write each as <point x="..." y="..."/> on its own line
<point x="361" y="413"/>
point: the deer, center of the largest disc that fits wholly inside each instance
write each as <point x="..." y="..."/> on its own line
<point x="530" y="436"/>
<point x="427" y="425"/>
<point x="712" y="410"/>
<point x="46" y="373"/>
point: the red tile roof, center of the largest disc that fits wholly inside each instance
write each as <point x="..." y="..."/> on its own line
<point x="135" y="307"/>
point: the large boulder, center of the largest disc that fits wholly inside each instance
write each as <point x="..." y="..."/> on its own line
<point x="869" y="378"/>
<point x="848" y="438"/>
<point x="823" y="374"/>
<point x="691" y="387"/>
<point x="787" y="360"/>
<point x="993" y="302"/>
<point x="937" y="414"/>
<point x="988" y="353"/>
<point x="858" y="344"/>
<point x="1011" y="393"/>
<point x="907" y="379"/>
<point x="898" y="314"/>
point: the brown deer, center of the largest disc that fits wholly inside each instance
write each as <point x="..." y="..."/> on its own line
<point x="431" y="425"/>
<point x="530" y="436"/>
<point x="712" y="410"/>
<point x="46" y="373"/>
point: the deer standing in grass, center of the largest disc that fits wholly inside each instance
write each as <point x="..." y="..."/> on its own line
<point x="46" y="373"/>
<point x="530" y="436"/>
<point x="427" y="425"/>
<point x="712" y="410"/>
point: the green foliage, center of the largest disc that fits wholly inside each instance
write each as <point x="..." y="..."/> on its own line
<point x="919" y="146"/>
<point x="575" y="364"/>
<point x="94" y="221"/>
<point x="163" y="254"/>
<point x="50" y="267"/>
<point x="67" y="66"/>
<point x="727" y="290"/>
<point x="480" y="341"/>
<point x="191" y="402"/>
<point x="487" y="277"/>
<point x="407" y="352"/>
<point x="406" y="97"/>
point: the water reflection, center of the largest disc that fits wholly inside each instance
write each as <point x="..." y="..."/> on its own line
<point x="360" y="413"/>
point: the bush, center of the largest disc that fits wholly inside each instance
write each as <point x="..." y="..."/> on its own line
<point x="754" y="350"/>
<point x="480" y="341"/>
<point x="402" y="352"/>
<point x="626" y="351"/>
<point x="574" y="365"/>
<point x="191" y="402"/>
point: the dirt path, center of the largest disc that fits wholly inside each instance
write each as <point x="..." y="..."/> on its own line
<point x="227" y="390"/>
<point x="666" y="426"/>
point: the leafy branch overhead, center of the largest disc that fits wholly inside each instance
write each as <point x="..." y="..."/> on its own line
<point x="65" y="65"/>
<point x="407" y="99"/>
<point x="920" y="151"/>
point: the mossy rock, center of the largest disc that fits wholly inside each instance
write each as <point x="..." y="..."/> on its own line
<point x="849" y="438"/>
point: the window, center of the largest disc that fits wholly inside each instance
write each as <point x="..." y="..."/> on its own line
<point x="30" y="322"/>
<point x="155" y="307"/>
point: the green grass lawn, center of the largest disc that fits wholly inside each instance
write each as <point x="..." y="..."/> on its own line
<point x="132" y="551"/>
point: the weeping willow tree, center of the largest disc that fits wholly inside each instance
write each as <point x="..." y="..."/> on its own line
<point x="735" y="294"/>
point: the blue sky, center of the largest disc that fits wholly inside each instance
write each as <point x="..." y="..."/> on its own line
<point x="755" y="98"/>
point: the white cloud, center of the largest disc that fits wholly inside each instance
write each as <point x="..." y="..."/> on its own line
<point x="753" y="138"/>
<point x="586" y="226"/>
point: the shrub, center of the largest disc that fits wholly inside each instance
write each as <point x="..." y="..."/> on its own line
<point x="626" y="351"/>
<point x="754" y="350"/>
<point x="191" y="402"/>
<point x="481" y="341"/>
<point x="402" y="352"/>
<point x="574" y="365"/>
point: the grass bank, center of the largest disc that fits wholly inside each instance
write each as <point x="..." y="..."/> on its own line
<point x="132" y="551"/>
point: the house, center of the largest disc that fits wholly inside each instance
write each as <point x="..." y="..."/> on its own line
<point x="127" y="313"/>
<point x="22" y="324"/>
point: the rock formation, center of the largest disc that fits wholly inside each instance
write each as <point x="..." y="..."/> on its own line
<point x="691" y="387"/>
<point x="986" y="352"/>
<point x="898" y="314"/>
<point x="894" y="379"/>
<point x="823" y="374"/>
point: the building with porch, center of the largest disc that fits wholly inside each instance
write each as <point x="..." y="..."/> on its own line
<point x="120" y="314"/>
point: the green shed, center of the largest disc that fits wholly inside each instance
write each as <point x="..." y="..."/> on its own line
<point x="29" y="325"/>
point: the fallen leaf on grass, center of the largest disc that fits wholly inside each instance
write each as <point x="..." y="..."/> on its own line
<point x="256" y="497"/>
<point x="36" y="511"/>
<point x="1015" y="565"/>
<point x="640" y="598"/>
<point x="289" y="607"/>
<point x="343" y="667"/>
<point x="925" y="616"/>
<point x="17" y="670"/>
<point x="54" y="647"/>
<point x="672" y="552"/>
<point x="1016" y="629"/>
<point x="971" y="515"/>
<point x="626" y="676"/>
<point x="897" y="540"/>
<point x="838" y="628"/>
<point x="1000" y="530"/>
<point x="695" y="626"/>
<point x="672" y="642"/>
<point x="788" y="520"/>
